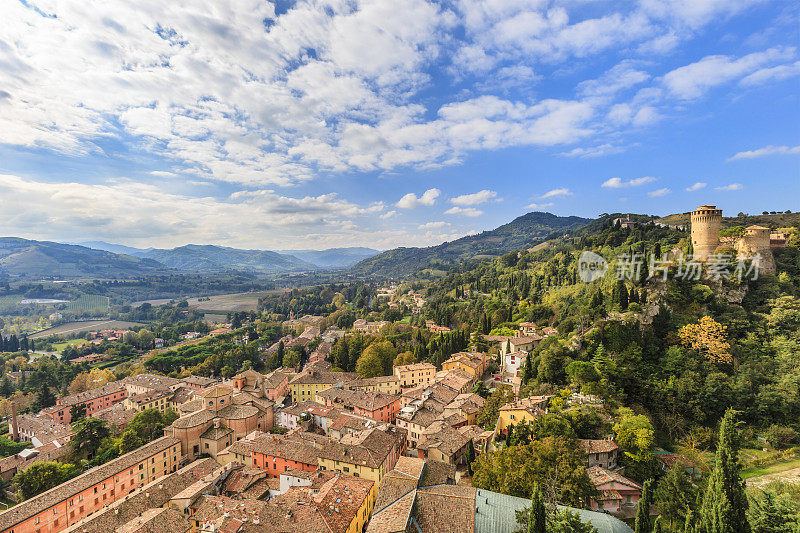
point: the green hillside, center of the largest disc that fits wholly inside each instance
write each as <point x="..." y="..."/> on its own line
<point x="522" y="232"/>
<point x="22" y="258"/>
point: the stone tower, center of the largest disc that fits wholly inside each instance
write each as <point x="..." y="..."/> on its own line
<point x="706" y="223"/>
<point x="754" y="242"/>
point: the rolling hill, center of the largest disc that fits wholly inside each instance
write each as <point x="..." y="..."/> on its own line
<point x="209" y="258"/>
<point x="333" y="257"/>
<point x="43" y="259"/>
<point x="519" y="233"/>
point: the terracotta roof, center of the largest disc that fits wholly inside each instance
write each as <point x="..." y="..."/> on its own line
<point x="288" y="447"/>
<point x="149" y="396"/>
<point x="83" y="397"/>
<point x="598" y="445"/>
<point x="446" y="508"/>
<point x="415" y="367"/>
<point x="599" y="475"/>
<point x="47" y="499"/>
<point x="158" y="519"/>
<point x="152" y="381"/>
<point x="199" y="380"/>
<point x="155" y="494"/>
<point x="216" y="391"/>
<point x="194" y="419"/>
<point x="238" y="412"/>
<point x="367" y="400"/>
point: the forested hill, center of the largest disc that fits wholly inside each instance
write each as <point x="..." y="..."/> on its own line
<point x="520" y="233"/>
<point x="43" y="259"/>
<point x="209" y="258"/>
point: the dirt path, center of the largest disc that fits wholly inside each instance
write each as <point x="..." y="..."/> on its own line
<point x="791" y="476"/>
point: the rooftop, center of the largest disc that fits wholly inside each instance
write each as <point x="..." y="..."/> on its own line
<point x="47" y="499"/>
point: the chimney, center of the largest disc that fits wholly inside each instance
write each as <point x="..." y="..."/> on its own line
<point x="15" y="428"/>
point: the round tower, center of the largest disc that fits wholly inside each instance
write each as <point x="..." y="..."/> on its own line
<point x="706" y="223"/>
<point x="755" y="241"/>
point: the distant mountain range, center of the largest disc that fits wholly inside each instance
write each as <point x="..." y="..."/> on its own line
<point x="210" y="258"/>
<point x="333" y="257"/>
<point x="43" y="259"/>
<point x="97" y="259"/>
<point x="521" y="232"/>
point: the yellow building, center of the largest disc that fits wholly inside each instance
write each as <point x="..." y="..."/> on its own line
<point x="306" y="385"/>
<point x="159" y="400"/>
<point x="473" y="364"/>
<point x="384" y="384"/>
<point x="526" y="409"/>
<point x="415" y="374"/>
<point x="369" y="454"/>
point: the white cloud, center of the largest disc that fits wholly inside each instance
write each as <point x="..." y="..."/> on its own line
<point x="555" y="193"/>
<point x="148" y="215"/>
<point x="539" y="207"/>
<point x="618" y="183"/>
<point x="474" y="198"/>
<point x="594" y="151"/>
<point x="388" y="214"/>
<point x="777" y="73"/>
<point x="464" y="211"/>
<point x="730" y="187"/>
<point x="697" y="186"/>
<point x="766" y="151"/>
<point x="433" y="225"/>
<point x="411" y="200"/>
<point x="658" y="192"/>
<point x="693" y="80"/>
<point x="622" y="76"/>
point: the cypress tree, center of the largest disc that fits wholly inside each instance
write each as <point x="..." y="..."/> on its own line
<point x="537" y="519"/>
<point x="45" y="397"/>
<point x="724" y="508"/>
<point x="688" y="525"/>
<point x="643" y="509"/>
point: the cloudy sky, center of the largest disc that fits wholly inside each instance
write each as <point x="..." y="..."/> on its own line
<point x="380" y="123"/>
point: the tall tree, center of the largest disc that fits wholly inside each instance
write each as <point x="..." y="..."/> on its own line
<point x="46" y="398"/>
<point x="643" y="524"/>
<point x="724" y="508"/>
<point x="674" y="497"/>
<point x="537" y="518"/>
<point x="89" y="433"/>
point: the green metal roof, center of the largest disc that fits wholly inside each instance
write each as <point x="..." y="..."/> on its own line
<point x="495" y="513"/>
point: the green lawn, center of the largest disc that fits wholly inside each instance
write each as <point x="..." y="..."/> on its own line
<point x="770" y="469"/>
<point x="61" y="345"/>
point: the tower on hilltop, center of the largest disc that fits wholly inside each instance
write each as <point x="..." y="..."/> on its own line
<point x="706" y="223"/>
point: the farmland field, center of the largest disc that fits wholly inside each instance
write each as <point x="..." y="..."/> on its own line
<point x="82" y="326"/>
<point x="222" y="303"/>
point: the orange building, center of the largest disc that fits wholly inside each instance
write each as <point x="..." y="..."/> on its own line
<point x="278" y="453"/>
<point x="372" y="404"/>
<point x="62" y="506"/>
<point x="94" y="400"/>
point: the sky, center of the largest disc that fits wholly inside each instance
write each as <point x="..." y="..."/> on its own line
<point x="326" y="123"/>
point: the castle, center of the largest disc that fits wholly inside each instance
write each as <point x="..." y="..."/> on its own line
<point x="706" y="225"/>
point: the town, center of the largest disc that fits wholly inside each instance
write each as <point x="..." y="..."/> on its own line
<point x="322" y="422"/>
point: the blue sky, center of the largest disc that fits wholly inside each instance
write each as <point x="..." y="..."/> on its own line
<point x="332" y="123"/>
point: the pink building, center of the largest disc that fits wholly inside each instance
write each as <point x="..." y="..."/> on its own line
<point x="616" y="493"/>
